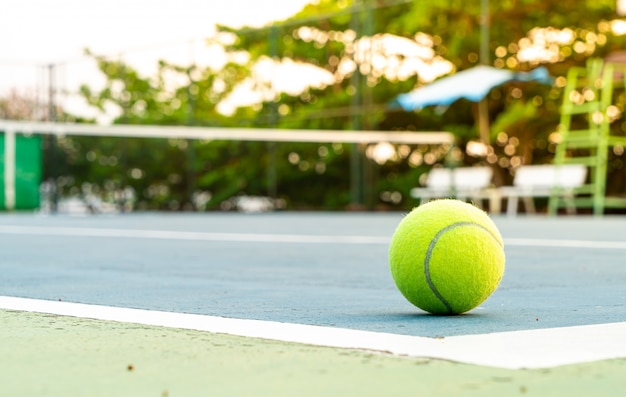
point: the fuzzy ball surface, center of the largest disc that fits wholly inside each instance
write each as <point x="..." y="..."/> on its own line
<point x="447" y="257"/>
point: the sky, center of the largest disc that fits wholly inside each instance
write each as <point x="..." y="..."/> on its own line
<point x="36" y="33"/>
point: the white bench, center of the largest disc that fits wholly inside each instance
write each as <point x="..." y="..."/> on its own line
<point x="531" y="181"/>
<point x="462" y="183"/>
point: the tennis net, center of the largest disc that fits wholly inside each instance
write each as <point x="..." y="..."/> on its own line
<point x="183" y="167"/>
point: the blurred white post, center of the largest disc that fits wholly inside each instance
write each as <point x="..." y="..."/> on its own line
<point x="9" y="169"/>
<point x="621" y="7"/>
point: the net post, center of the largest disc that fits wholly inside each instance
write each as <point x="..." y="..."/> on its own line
<point x="9" y="169"/>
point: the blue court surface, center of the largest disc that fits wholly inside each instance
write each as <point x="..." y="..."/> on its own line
<point x="327" y="269"/>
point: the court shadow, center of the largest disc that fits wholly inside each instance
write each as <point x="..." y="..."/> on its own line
<point x="420" y="323"/>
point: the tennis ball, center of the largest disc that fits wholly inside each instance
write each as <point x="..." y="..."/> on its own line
<point x="446" y="257"/>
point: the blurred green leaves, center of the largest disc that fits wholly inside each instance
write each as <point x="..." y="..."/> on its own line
<point x="344" y="40"/>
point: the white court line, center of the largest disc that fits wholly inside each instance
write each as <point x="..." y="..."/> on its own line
<point x="533" y="242"/>
<point x="541" y="348"/>
<point x="191" y="236"/>
<point x="274" y="238"/>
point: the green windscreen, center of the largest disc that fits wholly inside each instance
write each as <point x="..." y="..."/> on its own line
<point x="28" y="159"/>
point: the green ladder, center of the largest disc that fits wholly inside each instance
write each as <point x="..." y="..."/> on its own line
<point x="584" y="135"/>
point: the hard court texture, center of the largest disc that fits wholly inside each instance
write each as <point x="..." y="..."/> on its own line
<point x="330" y="283"/>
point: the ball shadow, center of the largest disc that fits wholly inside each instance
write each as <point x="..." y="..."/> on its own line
<point x="419" y="323"/>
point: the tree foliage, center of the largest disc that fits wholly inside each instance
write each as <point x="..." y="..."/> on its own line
<point x="349" y="42"/>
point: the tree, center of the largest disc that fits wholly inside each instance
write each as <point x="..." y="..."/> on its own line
<point x="161" y="173"/>
<point x="364" y="54"/>
<point x="523" y="35"/>
<point x="21" y="106"/>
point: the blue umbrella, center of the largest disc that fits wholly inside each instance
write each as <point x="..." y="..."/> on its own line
<point x="472" y="84"/>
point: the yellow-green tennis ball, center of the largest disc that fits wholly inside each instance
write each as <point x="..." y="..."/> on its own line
<point x="447" y="257"/>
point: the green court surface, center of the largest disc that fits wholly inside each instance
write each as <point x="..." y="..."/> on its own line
<point x="51" y="355"/>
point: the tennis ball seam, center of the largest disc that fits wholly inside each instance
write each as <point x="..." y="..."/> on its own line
<point x="429" y="251"/>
